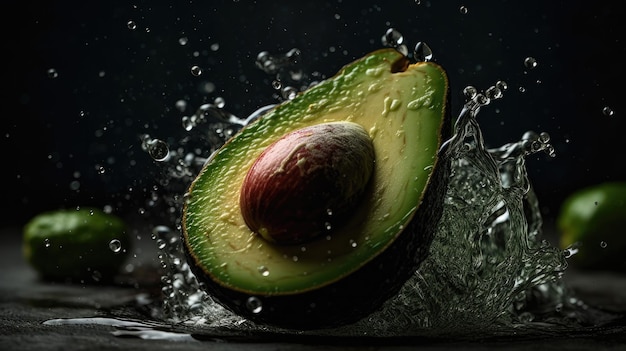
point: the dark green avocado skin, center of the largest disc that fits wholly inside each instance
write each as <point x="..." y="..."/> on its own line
<point x="362" y="292"/>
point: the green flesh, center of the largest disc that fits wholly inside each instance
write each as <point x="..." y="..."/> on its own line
<point x="403" y="113"/>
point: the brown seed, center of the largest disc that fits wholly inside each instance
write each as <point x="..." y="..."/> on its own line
<point x="307" y="181"/>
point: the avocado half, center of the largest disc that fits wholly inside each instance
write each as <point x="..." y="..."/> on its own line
<point x="341" y="277"/>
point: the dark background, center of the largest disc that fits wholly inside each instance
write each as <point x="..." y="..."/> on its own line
<point x="115" y="84"/>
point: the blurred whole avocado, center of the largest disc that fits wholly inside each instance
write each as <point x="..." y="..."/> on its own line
<point x="593" y="219"/>
<point x="84" y="245"/>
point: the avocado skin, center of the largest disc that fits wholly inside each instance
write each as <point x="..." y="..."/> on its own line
<point x="78" y="245"/>
<point x="364" y="291"/>
<point x="589" y="216"/>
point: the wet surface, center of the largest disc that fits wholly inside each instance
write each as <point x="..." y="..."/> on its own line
<point x="42" y="315"/>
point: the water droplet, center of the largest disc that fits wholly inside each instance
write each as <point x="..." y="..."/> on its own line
<point x="567" y="253"/>
<point x="262" y="56"/>
<point x="272" y="64"/>
<point x="131" y="25"/>
<point x="463" y="10"/>
<point x="52" y="73"/>
<point x="329" y="211"/>
<point x="289" y="93"/>
<point x="571" y="250"/>
<point x="269" y="66"/>
<point x="161" y="244"/>
<point x="293" y="55"/>
<point x="603" y="244"/>
<point x="196" y="71"/>
<point x="183" y="41"/>
<point x="165" y="233"/>
<point x="607" y="111"/>
<point x="188" y="123"/>
<point x="296" y="75"/>
<point x="392" y="38"/>
<point x="115" y="245"/>
<point x="219" y="102"/>
<point x="215" y="46"/>
<point x="422" y="52"/>
<point x="46" y="242"/>
<point x="328" y="226"/>
<point x="157" y="149"/>
<point x="254" y="304"/>
<point x="181" y="105"/>
<point x="264" y="271"/>
<point x="493" y="92"/>
<point x="530" y="62"/>
<point x="207" y="87"/>
<point x="482" y="100"/>
<point x="470" y="92"/>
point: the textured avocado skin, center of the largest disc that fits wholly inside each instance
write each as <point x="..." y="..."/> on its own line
<point x="360" y="293"/>
<point x="73" y="245"/>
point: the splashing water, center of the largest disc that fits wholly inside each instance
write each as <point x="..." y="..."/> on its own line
<point x="488" y="264"/>
<point x="487" y="252"/>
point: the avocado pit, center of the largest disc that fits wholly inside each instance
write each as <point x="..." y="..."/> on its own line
<point x="307" y="182"/>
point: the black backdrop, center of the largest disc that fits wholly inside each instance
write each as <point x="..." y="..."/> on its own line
<point x="114" y="83"/>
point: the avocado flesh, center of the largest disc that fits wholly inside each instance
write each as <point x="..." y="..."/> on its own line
<point x="404" y="109"/>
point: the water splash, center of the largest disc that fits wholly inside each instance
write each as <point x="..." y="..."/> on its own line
<point x="488" y="264"/>
<point x="289" y="78"/>
<point x="488" y="250"/>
